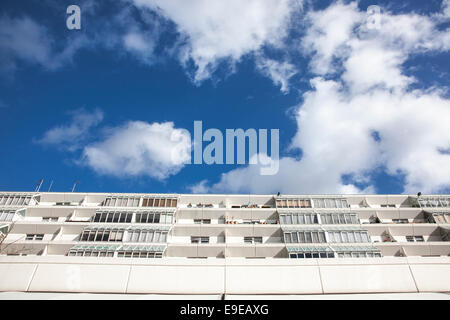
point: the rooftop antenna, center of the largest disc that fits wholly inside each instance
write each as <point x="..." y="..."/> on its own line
<point x="74" y="185"/>
<point x="39" y="185"/>
<point x="51" y="184"/>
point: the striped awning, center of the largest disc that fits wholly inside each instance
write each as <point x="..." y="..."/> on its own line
<point x="308" y="249"/>
<point x="354" y="248"/>
<point x="290" y="228"/>
<point x="105" y="227"/>
<point x="150" y="228"/>
<point x="151" y="248"/>
<point x="343" y="228"/>
<point x="95" y="247"/>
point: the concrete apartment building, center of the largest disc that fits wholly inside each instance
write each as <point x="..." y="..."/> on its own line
<point x="216" y="245"/>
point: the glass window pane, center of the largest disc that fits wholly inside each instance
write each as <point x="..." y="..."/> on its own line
<point x="308" y="237"/>
<point x="149" y="237"/>
<point x="288" y="219"/>
<point x="331" y="236"/>
<point x="351" y="237"/>
<point x="307" y="219"/>
<point x="322" y="237"/>
<point x="301" y="237"/>
<point x="301" y="219"/>
<point x="287" y="237"/>
<point x="365" y="237"/>
<point x="344" y="237"/>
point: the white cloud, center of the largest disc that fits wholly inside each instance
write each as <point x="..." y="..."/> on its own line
<point x="446" y="8"/>
<point x="327" y="33"/>
<point x="201" y="187"/>
<point x="156" y="150"/>
<point x="139" y="43"/>
<point x="71" y="136"/>
<point x="23" y="41"/>
<point x="22" y="38"/>
<point x="293" y="177"/>
<point x="217" y="30"/>
<point x="370" y="93"/>
<point x="279" y="72"/>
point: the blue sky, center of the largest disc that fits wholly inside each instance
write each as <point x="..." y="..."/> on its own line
<point x="359" y="110"/>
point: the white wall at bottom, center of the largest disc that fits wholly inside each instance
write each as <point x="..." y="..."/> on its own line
<point x="224" y="276"/>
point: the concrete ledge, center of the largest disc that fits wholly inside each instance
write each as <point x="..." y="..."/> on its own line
<point x="224" y="276"/>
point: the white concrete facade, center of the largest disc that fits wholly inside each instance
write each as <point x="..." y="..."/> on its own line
<point x="224" y="244"/>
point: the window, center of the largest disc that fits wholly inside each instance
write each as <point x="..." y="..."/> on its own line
<point x="313" y="254"/>
<point x="138" y="254"/>
<point x="339" y="218"/>
<point x="298" y="218"/>
<point x="388" y="205"/>
<point x="112" y="216"/>
<point x="121" y="202"/>
<point x="348" y="236"/>
<point x="359" y="254"/>
<point x="102" y="235"/>
<point x="304" y="236"/>
<point x="144" y="235"/>
<point x="430" y="202"/>
<point x="441" y="217"/>
<point x="202" y="221"/>
<point x="253" y="240"/>
<point x="154" y="217"/>
<point x="37" y="237"/>
<point x="293" y="203"/>
<point x="63" y="203"/>
<point x="159" y="202"/>
<point x="415" y="239"/>
<point x="199" y="239"/>
<point x="50" y="219"/>
<point x="90" y="253"/>
<point x="400" y="220"/>
<point x="6" y="215"/>
<point x="14" y="199"/>
<point x="330" y="203"/>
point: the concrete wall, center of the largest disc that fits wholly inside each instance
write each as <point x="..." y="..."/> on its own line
<point x="230" y="276"/>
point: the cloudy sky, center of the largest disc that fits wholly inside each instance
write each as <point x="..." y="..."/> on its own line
<point x="361" y="101"/>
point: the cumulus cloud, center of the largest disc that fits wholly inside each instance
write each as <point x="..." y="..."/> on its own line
<point x="156" y="150"/>
<point x="279" y="72"/>
<point x="208" y="33"/>
<point x="23" y="39"/>
<point x="216" y="30"/>
<point x="369" y="92"/>
<point x="71" y="136"/>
